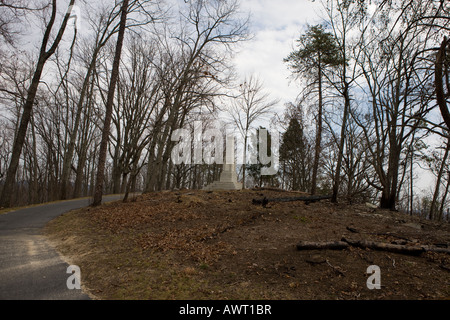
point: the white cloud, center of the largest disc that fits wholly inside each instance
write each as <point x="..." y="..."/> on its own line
<point x="269" y="14"/>
<point x="275" y="25"/>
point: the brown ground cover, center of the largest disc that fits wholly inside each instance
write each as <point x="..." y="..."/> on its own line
<point x="219" y="246"/>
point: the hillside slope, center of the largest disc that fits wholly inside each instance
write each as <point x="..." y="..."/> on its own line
<point x="215" y="246"/>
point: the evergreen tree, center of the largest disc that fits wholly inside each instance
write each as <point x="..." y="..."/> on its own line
<point x="295" y="157"/>
<point x="317" y="52"/>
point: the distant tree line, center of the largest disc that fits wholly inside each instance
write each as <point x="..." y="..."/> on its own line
<point x="97" y="106"/>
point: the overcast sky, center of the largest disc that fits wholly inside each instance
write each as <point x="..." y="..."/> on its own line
<point x="275" y="26"/>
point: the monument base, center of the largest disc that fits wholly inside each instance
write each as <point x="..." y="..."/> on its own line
<point x="228" y="181"/>
<point x="224" y="186"/>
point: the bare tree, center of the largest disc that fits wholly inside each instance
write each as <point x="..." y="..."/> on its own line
<point x="251" y="104"/>
<point x="98" y="195"/>
<point x="194" y="67"/>
<point x="441" y="170"/>
<point x="139" y="95"/>
<point x="391" y="55"/>
<point x="344" y="16"/>
<point x="45" y="54"/>
<point x="12" y="13"/>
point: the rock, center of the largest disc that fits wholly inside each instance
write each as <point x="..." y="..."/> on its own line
<point x="316" y="259"/>
<point x="413" y="225"/>
<point x="371" y="206"/>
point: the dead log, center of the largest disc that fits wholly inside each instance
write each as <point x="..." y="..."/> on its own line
<point x="436" y="249"/>
<point x="365" y="244"/>
<point x="380" y="246"/>
<point x="337" y="245"/>
<point x="278" y="190"/>
<point x="405" y="249"/>
<point x="264" y="202"/>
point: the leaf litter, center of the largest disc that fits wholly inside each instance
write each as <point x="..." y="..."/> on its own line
<point x="218" y="245"/>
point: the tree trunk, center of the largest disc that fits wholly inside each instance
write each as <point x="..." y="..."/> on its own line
<point x="439" y="72"/>
<point x="35" y="183"/>
<point x="68" y="156"/>
<point x="337" y="178"/>
<point x="411" y="199"/>
<point x="444" y="199"/>
<point x="80" y="176"/>
<point x="393" y="177"/>
<point x="433" y="207"/>
<point x="156" y="162"/>
<point x="98" y="194"/>
<point x="318" y="135"/>
<point x="5" y="200"/>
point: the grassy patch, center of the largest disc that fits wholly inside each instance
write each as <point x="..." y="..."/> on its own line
<point x="301" y="219"/>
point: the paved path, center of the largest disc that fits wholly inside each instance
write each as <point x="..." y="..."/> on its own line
<point x="30" y="269"/>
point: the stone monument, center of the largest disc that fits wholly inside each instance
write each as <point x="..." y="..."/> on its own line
<point x="228" y="179"/>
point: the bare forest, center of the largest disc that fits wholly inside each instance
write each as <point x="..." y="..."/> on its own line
<point x="92" y="94"/>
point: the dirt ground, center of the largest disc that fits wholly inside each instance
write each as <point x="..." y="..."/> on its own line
<point x="200" y="245"/>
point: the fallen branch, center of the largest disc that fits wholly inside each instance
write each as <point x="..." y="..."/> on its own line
<point x="364" y="244"/>
<point x="337" y="245"/>
<point x="436" y="249"/>
<point x="277" y="190"/>
<point x="339" y="272"/>
<point x="264" y="202"/>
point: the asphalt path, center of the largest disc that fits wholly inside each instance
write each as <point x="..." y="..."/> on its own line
<point x="30" y="268"/>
